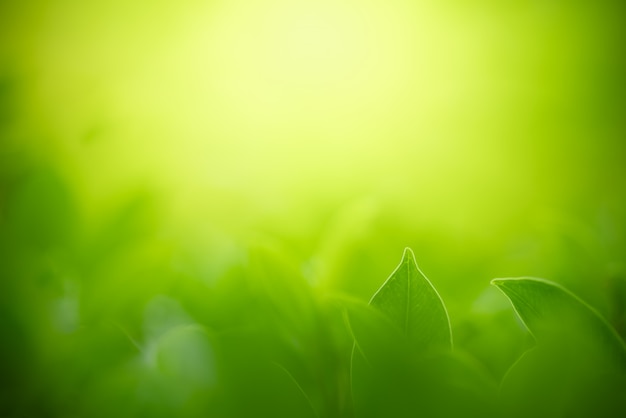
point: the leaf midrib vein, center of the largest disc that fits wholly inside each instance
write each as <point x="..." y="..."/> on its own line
<point x="408" y="295"/>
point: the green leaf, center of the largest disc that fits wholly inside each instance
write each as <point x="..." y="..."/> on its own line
<point x="578" y="365"/>
<point x="410" y="300"/>
<point x="553" y="314"/>
<point x="400" y="363"/>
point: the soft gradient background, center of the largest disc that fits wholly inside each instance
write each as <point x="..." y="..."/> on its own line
<point x="150" y="150"/>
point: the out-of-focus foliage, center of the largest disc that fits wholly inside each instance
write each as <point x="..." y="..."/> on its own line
<point x="401" y="362"/>
<point x="198" y="198"/>
<point x="578" y="367"/>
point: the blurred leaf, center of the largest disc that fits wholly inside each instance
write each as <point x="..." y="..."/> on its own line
<point x="410" y="300"/>
<point x="162" y="314"/>
<point x="375" y="336"/>
<point x="283" y="291"/>
<point x="382" y="376"/>
<point x="442" y="384"/>
<point x="185" y="354"/>
<point x="577" y="368"/>
<point x="302" y="332"/>
<point x="552" y="381"/>
<point x="349" y="230"/>
<point x="41" y="211"/>
<point x="552" y="313"/>
<point x="178" y="359"/>
<point x="253" y="385"/>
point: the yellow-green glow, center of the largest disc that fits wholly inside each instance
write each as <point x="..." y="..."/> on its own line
<point x="451" y="116"/>
<point x="435" y="109"/>
<point x="199" y="197"/>
<point x="292" y="86"/>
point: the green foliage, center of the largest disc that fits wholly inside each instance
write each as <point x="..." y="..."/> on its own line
<point x="556" y="316"/>
<point x="251" y="333"/>
<point x="414" y="306"/>
<point x="577" y="368"/>
<point x="399" y="347"/>
<point x="199" y="200"/>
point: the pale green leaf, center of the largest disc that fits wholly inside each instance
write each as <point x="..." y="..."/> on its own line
<point x="411" y="302"/>
<point x="400" y="339"/>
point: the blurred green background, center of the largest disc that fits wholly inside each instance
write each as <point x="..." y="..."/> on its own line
<point x="186" y="186"/>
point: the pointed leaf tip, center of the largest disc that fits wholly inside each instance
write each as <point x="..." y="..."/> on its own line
<point x="412" y="303"/>
<point x="408" y="254"/>
<point x="407" y="318"/>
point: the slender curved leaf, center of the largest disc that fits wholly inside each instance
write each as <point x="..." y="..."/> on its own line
<point x="552" y="313"/>
<point x="577" y="368"/>
<point x="410" y="300"/>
